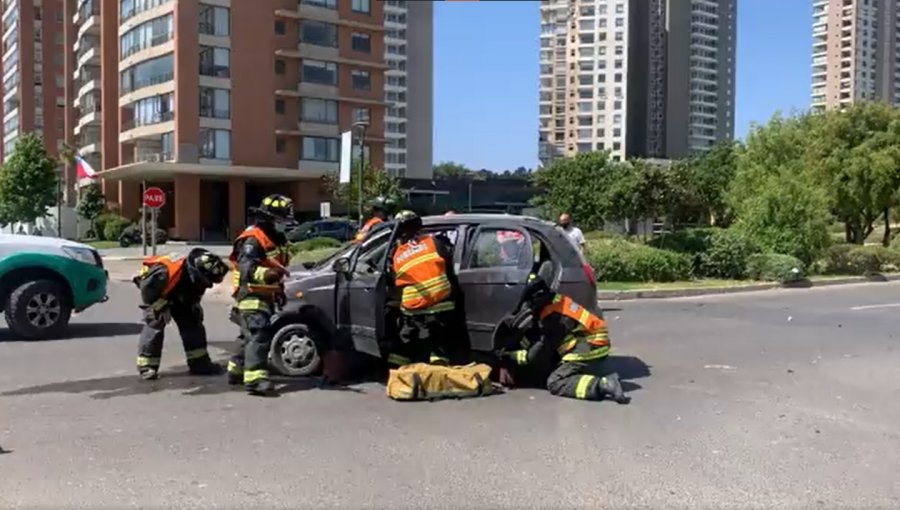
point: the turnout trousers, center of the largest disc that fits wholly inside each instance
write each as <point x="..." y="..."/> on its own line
<point x="429" y="338"/>
<point x="188" y="319"/>
<point x="578" y="379"/>
<point x="255" y="340"/>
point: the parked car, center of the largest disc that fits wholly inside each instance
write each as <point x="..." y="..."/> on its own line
<point x="342" y="298"/>
<point x="132" y="235"/>
<point x="44" y="279"/>
<point x="340" y="230"/>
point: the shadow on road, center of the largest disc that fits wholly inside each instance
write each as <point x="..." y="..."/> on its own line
<point x="83" y="330"/>
<point x="629" y="368"/>
<point x="103" y="388"/>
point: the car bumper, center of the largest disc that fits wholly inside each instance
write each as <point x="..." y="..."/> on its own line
<point x="89" y="286"/>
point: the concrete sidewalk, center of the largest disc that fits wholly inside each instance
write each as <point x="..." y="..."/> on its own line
<point x="136" y="253"/>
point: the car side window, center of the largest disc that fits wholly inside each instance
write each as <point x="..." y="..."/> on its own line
<point x="496" y="247"/>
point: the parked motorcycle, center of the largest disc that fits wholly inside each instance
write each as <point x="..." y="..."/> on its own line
<point x="132" y="235"/>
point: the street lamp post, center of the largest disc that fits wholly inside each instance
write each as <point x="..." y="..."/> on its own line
<point x="360" y="127"/>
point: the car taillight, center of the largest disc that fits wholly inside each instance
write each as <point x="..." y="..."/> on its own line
<point x="589" y="273"/>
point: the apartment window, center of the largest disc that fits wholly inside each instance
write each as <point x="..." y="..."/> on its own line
<point x="279" y="66"/>
<point x="361" y="114"/>
<point x="279" y="106"/>
<point x="279" y="146"/>
<point x="128" y="8"/>
<point x="360" y="42"/>
<point x="319" y="149"/>
<point x="318" y="33"/>
<point x="329" y="4"/>
<point x="215" y="103"/>
<point x="152" y="110"/>
<point x="167" y="141"/>
<point x="279" y="27"/>
<point x="620" y="22"/>
<point x="620" y="8"/>
<point x="214" y="20"/>
<point x="361" y="80"/>
<point x="316" y="71"/>
<point x="323" y="111"/>
<point x="215" y="61"/>
<point x="215" y="144"/>
<point x="360" y="6"/>
<point x="146" y="35"/>
<point x="148" y="72"/>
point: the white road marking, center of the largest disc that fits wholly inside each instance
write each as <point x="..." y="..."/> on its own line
<point x="873" y="307"/>
<point x="719" y="367"/>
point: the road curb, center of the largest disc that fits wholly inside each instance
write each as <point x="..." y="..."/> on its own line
<point x="806" y="284"/>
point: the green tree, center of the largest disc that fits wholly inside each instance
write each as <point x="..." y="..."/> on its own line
<point x="711" y="174"/>
<point x="376" y="183"/>
<point x="91" y="205"/>
<point x="451" y="170"/>
<point x="579" y="186"/>
<point x="855" y="156"/>
<point x="28" y="182"/>
<point x="638" y="189"/>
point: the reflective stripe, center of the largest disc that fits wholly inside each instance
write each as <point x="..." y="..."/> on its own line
<point x="599" y="339"/>
<point x="434" y="289"/>
<point x="416" y="261"/>
<point x="250" y="304"/>
<point x="233" y="368"/>
<point x="581" y="388"/>
<point x="143" y="361"/>
<point x="251" y="376"/>
<point x="521" y="357"/>
<point x="434" y="359"/>
<point x="259" y="275"/>
<point x="440" y="307"/>
<point x="159" y="304"/>
<point x="599" y="352"/>
<point x="567" y="345"/>
<point x="195" y="354"/>
<point x="396" y="359"/>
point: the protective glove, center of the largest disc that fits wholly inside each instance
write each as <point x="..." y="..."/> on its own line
<point x="524" y="320"/>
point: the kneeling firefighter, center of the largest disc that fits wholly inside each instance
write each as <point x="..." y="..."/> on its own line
<point x="259" y="258"/>
<point x="572" y="345"/>
<point x="422" y="276"/>
<point x="171" y="289"/>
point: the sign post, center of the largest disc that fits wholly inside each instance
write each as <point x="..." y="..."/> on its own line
<point x="325" y="209"/>
<point x="154" y="198"/>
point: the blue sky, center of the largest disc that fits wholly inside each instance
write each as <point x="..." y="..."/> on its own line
<point x="486" y="75"/>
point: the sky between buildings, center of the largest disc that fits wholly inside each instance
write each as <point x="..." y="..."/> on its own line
<point x="486" y="75"/>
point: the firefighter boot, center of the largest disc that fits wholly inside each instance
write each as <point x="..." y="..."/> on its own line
<point x="261" y="388"/>
<point x="149" y="373"/>
<point x="235" y="373"/>
<point x="612" y="389"/>
<point x="204" y="366"/>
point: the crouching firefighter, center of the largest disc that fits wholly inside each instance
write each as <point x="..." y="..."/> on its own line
<point x="422" y="277"/>
<point x="171" y="289"/>
<point x="572" y="345"/>
<point x="259" y="258"/>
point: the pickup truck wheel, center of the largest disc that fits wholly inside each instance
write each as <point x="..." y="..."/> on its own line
<point x="294" y="351"/>
<point x="38" y="309"/>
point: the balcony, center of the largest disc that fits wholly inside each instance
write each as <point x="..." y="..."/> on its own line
<point x="88" y="52"/>
<point x="157" y="40"/>
<point x="87" y="20"/>
<point x="215" y="71"/>
<point x="147" y="126"/>
<point x="138" y="84"/>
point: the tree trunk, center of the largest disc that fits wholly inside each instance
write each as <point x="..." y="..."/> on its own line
<point x="848" y="233"/>
<point x="886" y="240"/>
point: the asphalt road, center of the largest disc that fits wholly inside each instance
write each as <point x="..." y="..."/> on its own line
<point x="782" y="399"/>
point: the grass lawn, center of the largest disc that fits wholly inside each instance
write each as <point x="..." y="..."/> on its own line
<point x="102" y="245"/>
<point x="691" y="284"/>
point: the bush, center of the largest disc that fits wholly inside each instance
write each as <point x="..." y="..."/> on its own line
<point x="863" y="260"/>
<point x="100" y="223"/>
<point x="775" y="267"/>
<point x="836" y="259"/>
<point x="627" y="262"/>
<point x="113" y="227"/>
<point x="595" y="235"/>
<point x="316" y="243"/>
<point x="895" y="243"/>
<point x="726" y="256"/>
<point x="692" y="240"/>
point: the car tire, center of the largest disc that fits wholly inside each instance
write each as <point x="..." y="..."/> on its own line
<point x="124" y="242"/>
<point x="38" y="309"/>
<point x="294" y="352"/>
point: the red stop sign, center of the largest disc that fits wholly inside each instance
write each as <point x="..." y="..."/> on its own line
<point x="154" y="197"/>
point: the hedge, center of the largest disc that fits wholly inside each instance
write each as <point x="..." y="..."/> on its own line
<point x="715" y="252"/>
<point x="112" y="227"/>
<point x="775" y="267"/>
<point x="316" y="243"/>
<point x="863" y="260"/>
<point x="615" y="260"/>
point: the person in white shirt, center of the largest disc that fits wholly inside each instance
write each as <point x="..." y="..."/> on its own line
<point x="571" y="231"/>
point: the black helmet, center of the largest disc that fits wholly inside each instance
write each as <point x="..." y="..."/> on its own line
<point x="537" y="292"/>
<point x="379" y="204"/>
<point x="278" y="207"/>
<point x="206" y="268"/>
<point x="408" y="222"/>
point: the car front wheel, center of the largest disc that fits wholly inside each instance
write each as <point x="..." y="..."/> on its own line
<point x="294" y="352"/>
<point x="38" y="309"/>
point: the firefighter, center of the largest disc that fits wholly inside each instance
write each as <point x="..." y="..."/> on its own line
<point x="423" y="280"/>
<point x="259" y="258"/>
<point x="379" y="207"/>
<point x="171" y="288"/>
<point x="572" y="345"/>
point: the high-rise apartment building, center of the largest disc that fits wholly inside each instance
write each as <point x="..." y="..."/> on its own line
<point x="33" y="80"/>
<point x="856" y="52"/>
<point x="408" y="119"/>
<point x="645" y="78"/>
<point x="221" y="102"/>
